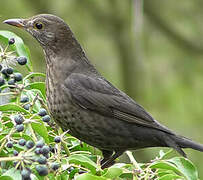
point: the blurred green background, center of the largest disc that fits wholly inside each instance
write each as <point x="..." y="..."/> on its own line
<point x="152" y="50"/>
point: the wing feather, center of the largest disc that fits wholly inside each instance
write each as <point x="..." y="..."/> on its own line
<point x="97" y="94"/>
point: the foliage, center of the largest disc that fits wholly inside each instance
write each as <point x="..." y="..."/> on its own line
<point x="33" y="147"/>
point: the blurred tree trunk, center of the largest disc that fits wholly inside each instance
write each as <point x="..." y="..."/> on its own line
<point x="120" y="23"/>
<point x="124" y="40"/>
<point x="178" y="39"/>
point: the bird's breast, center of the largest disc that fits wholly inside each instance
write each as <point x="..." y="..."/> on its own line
<point x="57" y="98"/>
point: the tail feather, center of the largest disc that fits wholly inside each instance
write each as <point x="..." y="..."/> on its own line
<point x="178" y="142"/>
<point x="184" y="142"/>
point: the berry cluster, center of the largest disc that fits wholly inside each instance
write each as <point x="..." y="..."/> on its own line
<point x="38" y="153"/>
<point x="8" y="76"/>
<point x="30" y="154"/>
<point x="43" y="113"/>
<point x="19" y="122"/>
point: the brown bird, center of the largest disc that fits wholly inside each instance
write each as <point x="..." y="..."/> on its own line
<point x="85" y="103"/>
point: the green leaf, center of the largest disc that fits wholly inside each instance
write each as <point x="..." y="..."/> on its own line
<point x="164" y="165"/>
<point x="13" y="174"/>
<point x="62" y="176"/>
<point x="6" y="178"/>
<point x="84" y="161"/>
<point x="19" y="46"/>
<point x="170" y="177"/>
<point x="162" y="172"/>
<point x="13" y="107"/>
<point x="113" y="172"/>
<point x="38" y="85"/>
<point x="32" y="74"/>
<point x="41" y="130"/>
<point x="186" y="167"/>
<point x="167" y="155"/>
<point x="88" y="176"/>
<point x="126" y="176"/>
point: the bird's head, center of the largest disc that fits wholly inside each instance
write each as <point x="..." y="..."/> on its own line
<point x="51" y="31"/>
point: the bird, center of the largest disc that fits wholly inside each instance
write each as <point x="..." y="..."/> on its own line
<point x="82" y="101"/>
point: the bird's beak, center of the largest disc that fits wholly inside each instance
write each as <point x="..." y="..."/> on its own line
<point x="15" y="22"/>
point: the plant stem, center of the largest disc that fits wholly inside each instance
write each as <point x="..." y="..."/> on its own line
<point x="3" y="144"/>
<point x="33" y="102"/>
<point x="32" y="132"/>
<point x="8" y="93"/>
<point x="10" y="158"/>
<point x="43" y="104"/>
<point x="63" y="143"/>
<point x="58" y="151"/>
<point x="133" y="161"/>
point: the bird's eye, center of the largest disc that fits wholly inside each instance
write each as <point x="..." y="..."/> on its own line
<point x="39" y="25"/>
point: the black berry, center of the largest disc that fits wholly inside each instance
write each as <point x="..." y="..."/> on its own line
<point x="20" y="127"/>
<point x="9" y="144"/>
<point x="52" y="149"/>
<point x="57" y="139"/>
<point x="24" y="99"/>
<point x="27" y="106"/>
<point x="2" y="81"/>
<point x="15" y="163"/>
<point x="39" y="144"/>
<point x="18" y="119"/>
<point x="9" y="70"/>
<point x="15" y="153"/>
<point x="22" y="142"/>
<point x="38" y="151"/>
<point x="42" y="170"/>
<point x="30" y="144"/>
<point x="46" y="118"/>
<point x="55" y="166"/>
<point x="42" y="112"/>
<point x="42" y="160"/>
<point x="25" y="174"/>
<point x="11" y="41"/>
<point x="18" y="76"/>
<point x="4" y="72"/>
<point x="45" y="150"/>
<point x="46" y="155"/>
<point x="11" y="82"/>
<point x="22" y="60"/>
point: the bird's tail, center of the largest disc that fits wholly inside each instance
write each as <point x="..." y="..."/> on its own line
<point x="179" y="142"/>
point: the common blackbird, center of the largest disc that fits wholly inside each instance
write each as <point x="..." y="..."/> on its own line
<point x="85" y="103"/>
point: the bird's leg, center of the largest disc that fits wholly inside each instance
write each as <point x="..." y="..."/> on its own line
<point x="110" y="161"/>
<point x="106" y="154"/>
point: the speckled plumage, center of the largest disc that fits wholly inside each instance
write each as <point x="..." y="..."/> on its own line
<point x="91" y="108"/>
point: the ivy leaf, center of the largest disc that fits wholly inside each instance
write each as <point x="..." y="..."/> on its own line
<point x="186" y="167"/>
<point x="6" y="178"/>
<point x="41" y="130"/>
<point x="88" y="176"/>
<point x="38" y="85"/>
<point x="164" y="165"/>
<point x="13" y="107"/>
<point x="84" y="161"/>
<point x="113" y="172"/>
<point x="170" y="177"/>
<point x="11" y="174"/>
<point x="32" y="74"/>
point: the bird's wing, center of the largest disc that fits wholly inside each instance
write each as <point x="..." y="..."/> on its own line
<point x="97" y="94"/>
